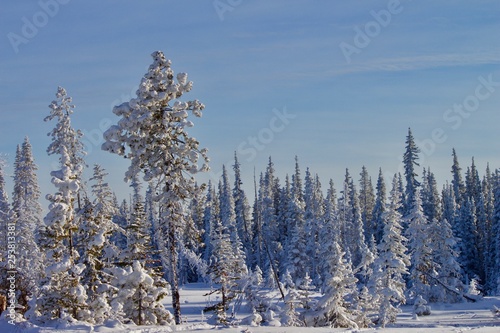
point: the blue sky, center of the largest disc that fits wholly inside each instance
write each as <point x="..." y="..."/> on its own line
<point x="337" y="83"/>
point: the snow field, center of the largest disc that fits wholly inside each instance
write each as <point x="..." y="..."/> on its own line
<point x="454" y="318"/>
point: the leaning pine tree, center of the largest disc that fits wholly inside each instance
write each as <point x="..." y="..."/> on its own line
<point x="152" y="134"/>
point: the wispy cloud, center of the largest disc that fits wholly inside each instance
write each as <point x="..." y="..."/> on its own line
<point x="419" y="62"/>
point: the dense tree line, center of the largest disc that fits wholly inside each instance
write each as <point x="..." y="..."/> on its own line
<point x="365" y="249"/>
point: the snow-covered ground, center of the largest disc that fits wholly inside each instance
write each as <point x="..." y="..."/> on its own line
<point x="462" y="317"/>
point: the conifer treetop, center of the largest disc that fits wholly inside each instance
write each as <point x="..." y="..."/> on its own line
<point x="152" y="128"/>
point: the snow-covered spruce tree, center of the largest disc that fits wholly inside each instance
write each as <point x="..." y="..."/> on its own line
<point x="379" y="208"/>
<point x="467" y="222"/>
<point x="257" y="240"/>
<point x="366" y="202"/>
<point x="192" y="265"/>
<point x="305" y="291"/>
<point x="137" y="296"/>
<point x="337" y="307"/>
<point x="313" y="215"/>
<point x="210" y="214"/>
<point x="392" y="262"/>
<point x="136" y="288"/>
<point x="65" y="135"/>
<point x="496" y="230"/>
<point x="269" y="219"/>
<point x="226" y="268"/>
<point x="345" y="211"/>
<point x="488" y="237"/>
<point x="473" y="188"/>
<point x="96" y="251"/>
<point x="119" y="238"/>
<point x="138" y="229"/>
<point x="423" y="267"/>
<point x="431" y="201"/>
<point x="291" y="316"/>
<point x="242" y="212"/>
<point x="27" y="214"/>
<point x="330" y="233"/>
<point x="152" y="133"/>
<point x="285" y="197"/>
<point x="352" y="228"/>
<point x="450" y="209"/>
<point x="227" y="265"/>
<point x="61" y="293"/>
<point x="410" y="161"/>
<point x="474" y="192"/>
<point x="228" y="218"/>
<point x="297" y="260"/>
<point x="448" y="286"/>
<point x="457" y="182"/>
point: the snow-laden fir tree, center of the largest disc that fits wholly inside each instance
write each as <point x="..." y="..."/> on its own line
<point x="379" y="208"/>
<point x="152" y="133"/>
<point x="27" y="214"/>
<point x="345" y="211"/>
<point x="138" y="297"/>
<point x="410" y="161"/>
<point x="431" y="201"/>
<point x="457" y="182"/>
<point x="210" y="214"/>
<point x="423" y="267"/>
<point x="330" y="233"/>
<point x="366" y="202"/>
<point x="313" y="215"/>
<point x="285" y="197"/>
<point x="242" y="212"/>
<point x="138" y="229"/>
<point x="96" y="251"/>
<point x="228" y="219"/>
<point x="447" y="286"/>
<point x="61" y="293"/>
<point x="295" y="246"/>
<point x="290" y="316"/>
<point x="472" y="223"/>
<point x="119" y="238"/>
<point x="139" y="300"/>
<point x="337" y="307"/>
<point x="496" y="230"/>
<point x="226" y="268"/>
<point x="473" y="188"/>
<point x="305" y="291"/>
<point x="192" y="240"/>
<point x="450" y="207"/>
<point x="392" y="262"/>
<point x="353" y="230"/>
<point x="65" y="135"/>
<point x="467" y="222"/>
<point x="258" y="239"/>
<point x="269" y="219"/>
<point x="485" y="225"/>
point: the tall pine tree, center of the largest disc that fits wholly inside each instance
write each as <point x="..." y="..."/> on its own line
<point x="410" y="161"/>
<point x="152" y="133"/>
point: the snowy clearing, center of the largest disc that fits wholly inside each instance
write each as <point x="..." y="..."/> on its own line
<point x="461" y="317"/>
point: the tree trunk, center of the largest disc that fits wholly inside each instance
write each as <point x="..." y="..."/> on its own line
<point x="174" y="275"/>
<point x="139" y="316"/>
